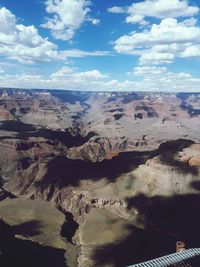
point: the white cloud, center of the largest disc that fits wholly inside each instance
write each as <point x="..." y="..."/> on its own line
<point x="161" y="79"/>
<point x="70" y="74"/>
<point x="1" y="70"/>
<point x="156" y="58"/>
<point x="7" y="21"/>
<point x="189" y="22"/>
<point x="24" y="44"/>
<point x="145" y="78"/>
<point x="135" y="19"/>
<point x="67" y="17"/>
<point x="117" y="10"/>
<point x="95" y="21"/>
<point x="191" y="51"/>
<point x="163" y="42"/>
<point x="65" y="78"/>
<point x="82" y="53"/>
<point x="137" y="12"/>
<point x="167" y="32"/>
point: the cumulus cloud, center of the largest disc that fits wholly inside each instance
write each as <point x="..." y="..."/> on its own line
<point x="142" y="78"/>
<point x="137" y="12"/>
<point x="70" y="74"/>
<point x="160" y="78"/>
<point x="24" y="44"/>
<point x="156" y="58"/>
<point x="163" y="42"/>
<point x="64" y="78"/>
<point x="191" y="51"/>
<point x="67" y="16"/>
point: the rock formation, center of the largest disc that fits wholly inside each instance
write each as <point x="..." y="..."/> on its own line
<point x="103" y="159"/>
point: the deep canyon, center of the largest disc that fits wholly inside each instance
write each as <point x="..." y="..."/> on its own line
<point x="97" y="178"/>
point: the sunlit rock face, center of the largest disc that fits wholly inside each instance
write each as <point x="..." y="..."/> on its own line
<point x="122" y="167"/>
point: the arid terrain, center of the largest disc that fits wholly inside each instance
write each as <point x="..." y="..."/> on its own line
<point x="97" y="179"/>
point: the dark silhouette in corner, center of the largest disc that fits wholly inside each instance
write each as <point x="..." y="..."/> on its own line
<point x="26" y="253"/>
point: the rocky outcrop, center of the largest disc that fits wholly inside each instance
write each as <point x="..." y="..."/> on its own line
<point x="4" y="194"/>
<point x="98" y="149"/>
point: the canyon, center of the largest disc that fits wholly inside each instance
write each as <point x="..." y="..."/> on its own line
<point x="96" y="178"/>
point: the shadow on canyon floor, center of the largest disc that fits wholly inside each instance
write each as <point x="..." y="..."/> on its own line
<point x="28" y="229"/>
<point x="165" y="221"/>
<point x="62" y="136"/>
<point x="140" y="245"/>
<point x="195" y="185"/>
<point x="62" y="171"/>
<point x="168" y="155"/>
<point x="25" y="131"/>
<point x="69" y="227"/>
<point x="178" y="215"/>
<point x="16" y="126"/>
<point x="23" y="253"/>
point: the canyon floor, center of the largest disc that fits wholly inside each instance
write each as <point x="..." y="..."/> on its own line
<point x="97" y="179"/>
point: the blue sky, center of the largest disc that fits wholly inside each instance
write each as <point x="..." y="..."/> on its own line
<point x="100" y="45"/>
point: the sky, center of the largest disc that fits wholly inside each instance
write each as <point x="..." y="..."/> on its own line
<point x="100" y="45"/>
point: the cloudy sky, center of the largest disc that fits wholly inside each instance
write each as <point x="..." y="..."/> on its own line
<point x="148" y="45"/>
